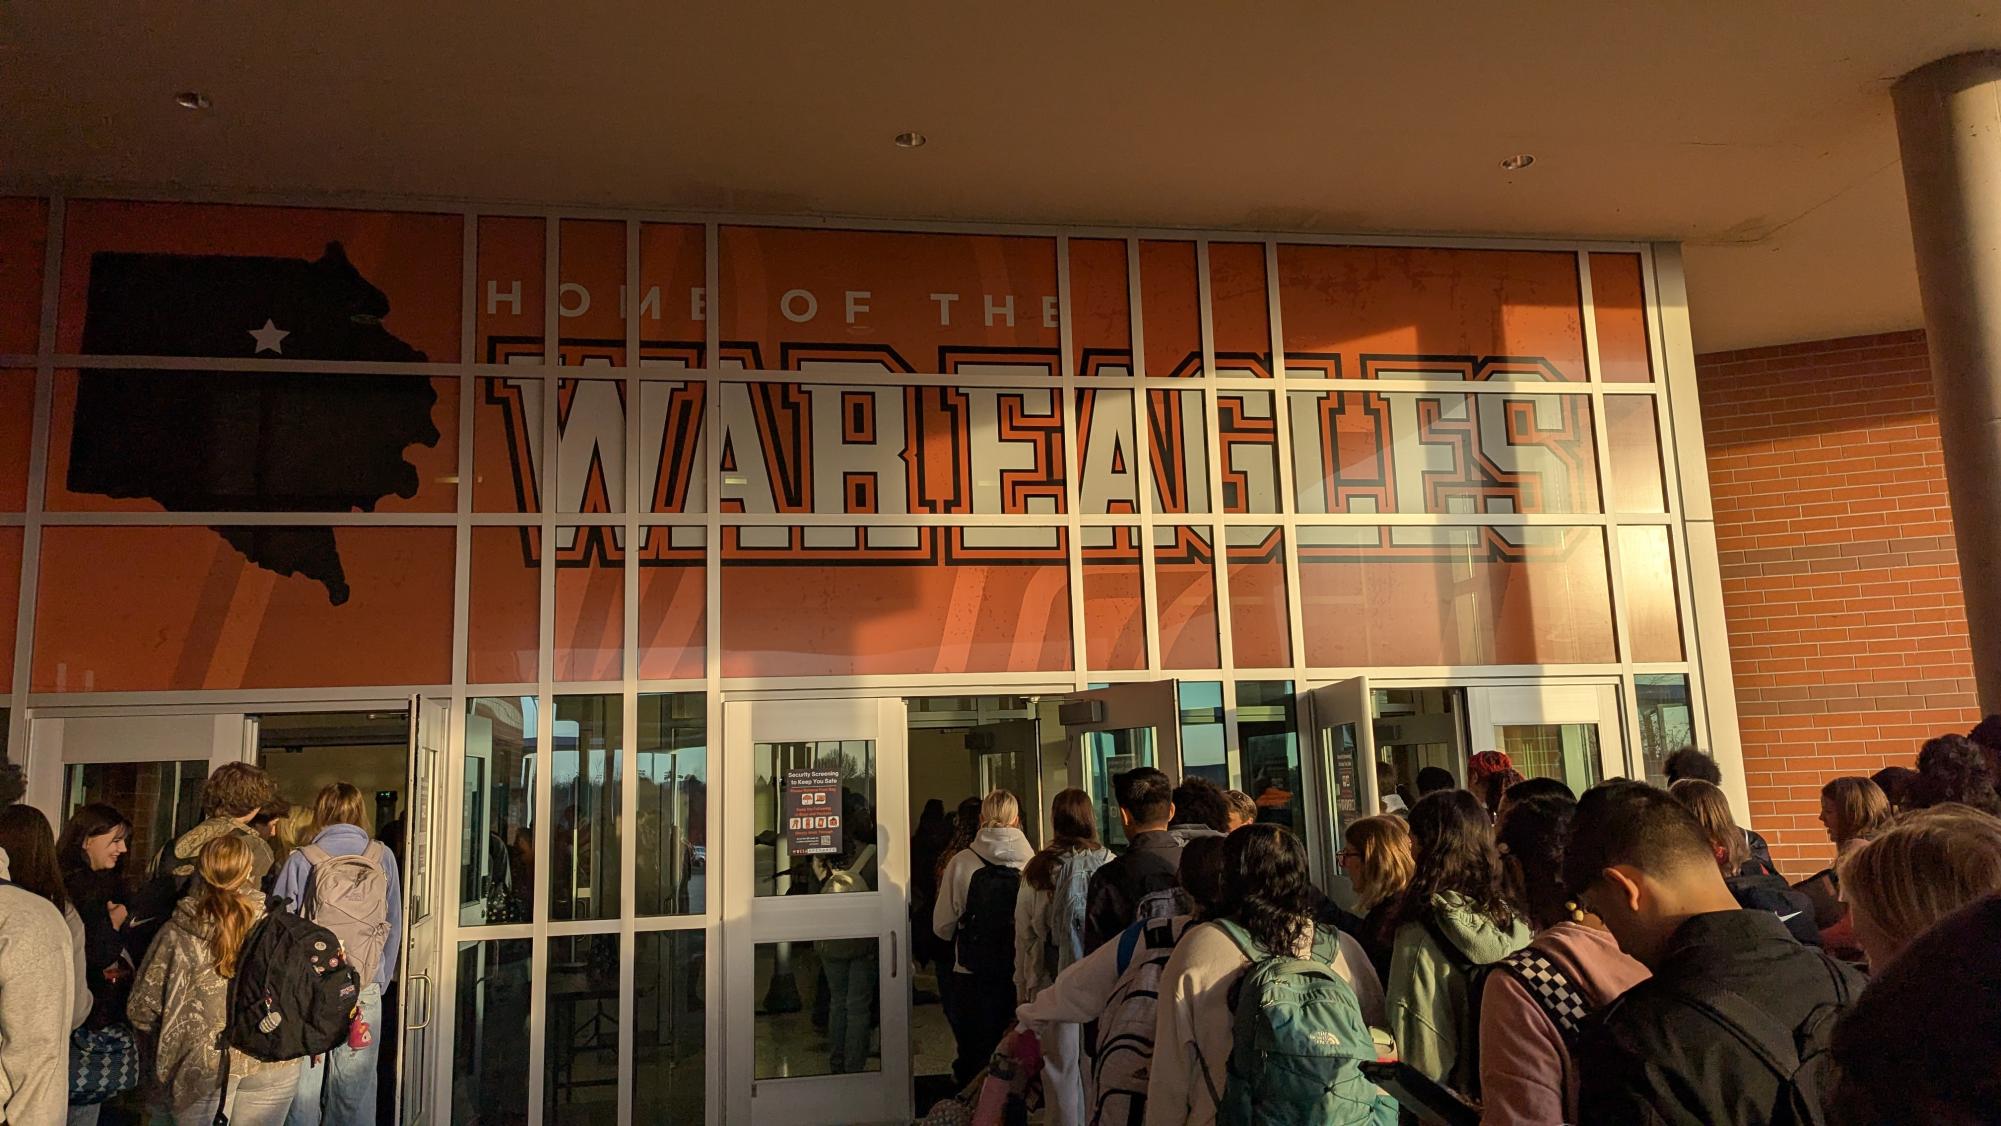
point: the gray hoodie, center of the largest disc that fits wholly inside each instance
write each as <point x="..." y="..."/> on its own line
<point x="35" y="1017"/>
<point x="996" y="846"/>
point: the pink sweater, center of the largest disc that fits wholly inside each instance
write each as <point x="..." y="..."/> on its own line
<point x="1526" y="1075"/>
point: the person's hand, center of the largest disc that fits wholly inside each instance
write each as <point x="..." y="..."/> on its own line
<point x="118" y="915"/>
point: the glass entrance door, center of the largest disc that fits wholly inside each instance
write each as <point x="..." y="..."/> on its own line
<point x="1112" y="730"/>
<point x="816" y="978"/>
<point x="1340" y="775"/>
<point x="1565" y="731"/>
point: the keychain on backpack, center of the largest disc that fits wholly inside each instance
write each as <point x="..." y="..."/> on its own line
<point x="359" y="1035"/>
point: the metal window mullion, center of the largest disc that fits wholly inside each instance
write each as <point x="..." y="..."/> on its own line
<point x="1233" y="757"/>
<point x="1628" y="719"/>
<point x="1213" y="429"/>
<point x="1143" y="452"/>
<point x="1073" y="461"/>
<point x="38" y="471"/>
<point x="628" y="791"/>
<point x="545" y="722"/>
<point x="721" y="1071"/>
<point x="1288" y="486"/>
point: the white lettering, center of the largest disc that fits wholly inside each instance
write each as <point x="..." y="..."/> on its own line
<point x="1049" y="312"/>
<point x="583" y="296"/>
<point x="649" y="303"/>
<point x="857" y="303"/>
<point x="594" y="433"/>
<point x="880" y="457"/>
<point x="748" y="481"/>
<point x="993" y="456"/>
<point x="944" y="301"/>
<point x="1110" y="477"/>
<point x="698" y="304"/>
<point x="494" y="297"/>
<point x="1005" y="308"/>
<point x="787" y="303"/>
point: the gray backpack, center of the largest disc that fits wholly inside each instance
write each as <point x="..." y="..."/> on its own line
<point x="349" y="895"/>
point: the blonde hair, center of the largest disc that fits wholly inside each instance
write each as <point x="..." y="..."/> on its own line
<point x="225" y="864"/>
<point x="1706" y="801"/>
<point x="1925" y="866"/>
<point x="1858" y="806"/>
<point x="1243" y="805"/>
<point x="1382" y="848"/>
<point x="296" y="827"/>
<point x="998" y="810"/>
<point x="340" y="803"/>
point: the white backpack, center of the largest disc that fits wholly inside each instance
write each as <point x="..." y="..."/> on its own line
<point x="1124" y="1059"/>
<point x="349" y="895"/>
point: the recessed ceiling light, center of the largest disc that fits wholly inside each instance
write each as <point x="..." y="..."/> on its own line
<point x="191" y="99"/>
<point x="1518" y="162"/>
<point x="911" y="140"/>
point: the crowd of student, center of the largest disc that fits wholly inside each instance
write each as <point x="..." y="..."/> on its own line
<point x="1516" y="954"/>
<point x="115" y="983"/>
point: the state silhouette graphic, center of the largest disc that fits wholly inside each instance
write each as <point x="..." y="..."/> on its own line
<point x="209" y="440"/>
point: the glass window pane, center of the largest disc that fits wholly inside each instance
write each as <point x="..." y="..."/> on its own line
<point x="1667" y="722"/>
<point x="590" y="445"/>
<point x="583" y="792"/>
<point x="1635" y="438"/>
<point x="182" y="608"/>
<point x="17" y="416"/>
<point x="1170" y="308"/>
<point x="1443" y="451"/>
<point x="1260" y="623"/>
<point x="815" y="809"/>
<point x="788" y="1046"/>
<point x="580" y="1035"/>
<point x="1619" y="309"/>
<point x="672" y="467"/>
<point x="503" y="606"/>
<point x="1455" y="596"/>
<point x="497" y="839"/>
<point x="1114" y="599"/>
<point x="24" y="230"/>
<point x="1184" y="562"/>
<point x="672" y="768"/>
<point x="1178" y="440"/>
<point x="673" y="603"/>
<point x="507" y="439"/>
<point x="1201" y="704"/>
<point x="1100" y="307"/>
<point x="1653" y="609"/>
<point x="1269" y="740"/>
<point x="510" y="291"/>
<point x="1109" y="754"/>
<point x="847" y="601"/>
<point x="490" y="1033"/>
<point x="673" y="277"/>
<point x="1248" y="436"/>
<point x="1239" y="308"/>
<point x="1363" y="312"/>
<point x="163" y="800"/>
<point x="1109" y="450"/>
<point x="1564" y="751"/>
<point x="669" y="1065"/>
<point x="590" y="603"/>
<point x="590" y="259"/>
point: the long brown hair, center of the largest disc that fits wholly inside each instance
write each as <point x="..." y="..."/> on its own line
<point x="1712" y="810"/>
<point x="225" y="871"/>
<point x="1070" y="814"/>
<point x="1381" y="845"/>
<point x="340" y="803"/>
<point x="31" y="853"/>
<point x="965" y="826"/>
<point x="1858" y="808"/>
<point x="1453" y="839"/>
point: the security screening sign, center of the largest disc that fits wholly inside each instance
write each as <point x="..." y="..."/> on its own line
<point x="813" y="812"/>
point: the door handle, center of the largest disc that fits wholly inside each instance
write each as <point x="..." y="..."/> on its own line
<point x="419" y="1026"/>
<point x="895" y="951"/>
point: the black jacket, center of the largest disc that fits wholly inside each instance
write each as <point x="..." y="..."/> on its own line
<point x="1650" y="1057"/>
<point x="1151" y="862"/>
<point x="1774" y="894"/>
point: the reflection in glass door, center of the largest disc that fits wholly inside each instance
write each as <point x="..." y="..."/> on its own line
<point x="1112" y="730"/>
<point x="817" y="976"/>
<point x="1564" y="731"/>
<point x="1341" y="779"/>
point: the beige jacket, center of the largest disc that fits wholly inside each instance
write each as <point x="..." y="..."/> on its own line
<point x="181" y="1002"/>
<point x="1193" y="1026"/>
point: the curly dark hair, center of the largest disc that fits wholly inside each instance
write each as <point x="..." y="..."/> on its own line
<point x="1454" y="841"/>
<point x="1267" y="889"/>
<point x="13" y="783"/>
<point x="236" y="789"/>
<point x="1532" y="837"/>
<point x="1202" y="874"/>
<point x="1691" y="762"/>
<point x="1198" y="801"/>
<point x="1952" y="769"/>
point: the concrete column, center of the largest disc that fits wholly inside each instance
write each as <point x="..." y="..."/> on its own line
<point x="1949" y="128"/>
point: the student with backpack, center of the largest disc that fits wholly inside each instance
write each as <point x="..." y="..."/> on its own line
<point x="1117" y="987"/>
<point x="1757" y="891"/>
<point x="1049" y="937"/>
<point x="231" y="798"/>
<point x="975" y="913"/>
<point x="1690" y="762"/>
<point x="1533" y="1000"/>
<point x="1733" y="1025"/>
<point x="1263" y="1016"/>
<point x="181" y="998"/>
<point x="1455" y="917"/>
<point x="347" y="882"/>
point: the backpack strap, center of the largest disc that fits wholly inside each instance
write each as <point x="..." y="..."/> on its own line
<point x="1128" y="943"/>
<point x="1445" y="944"/>
<point x="1748" y="1023"/>
<point x="314" y="854"/>
<point x="1550" y="988"/>
<point x="1244" y="941"/>
<point x="373" y="853"/>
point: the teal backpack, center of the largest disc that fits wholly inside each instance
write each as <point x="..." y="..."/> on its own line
<point x="1299" y="1044"/>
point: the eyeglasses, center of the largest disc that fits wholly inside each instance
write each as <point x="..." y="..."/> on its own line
<point x="1345" y="855"/>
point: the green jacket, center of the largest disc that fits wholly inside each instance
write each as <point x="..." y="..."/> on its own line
<point x="1430" y="1002"/>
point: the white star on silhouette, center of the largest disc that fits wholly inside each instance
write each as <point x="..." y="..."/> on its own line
<point x="269" y="338"/>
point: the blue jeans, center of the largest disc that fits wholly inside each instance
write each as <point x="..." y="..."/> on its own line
<point x="348" y="1073"/>
<point x="851" y="991"/>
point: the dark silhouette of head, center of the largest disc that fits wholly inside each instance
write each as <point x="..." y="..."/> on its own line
<point x="1198" y="801"/>
<point x="1689" y="762"/>
<point x="1432" y="779"/>
<point x="1268" y="889"/>
<point x="1952" y="769"/>
<point x="1453" y="839"/>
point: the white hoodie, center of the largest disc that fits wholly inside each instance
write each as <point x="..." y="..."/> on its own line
<point x="995" y="846"/>
<point x="38" y="996"/>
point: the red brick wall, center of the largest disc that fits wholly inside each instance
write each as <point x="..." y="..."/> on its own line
<point x="1840" y="580"/>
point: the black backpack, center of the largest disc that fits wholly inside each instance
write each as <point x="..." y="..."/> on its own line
<point x="293" y="995"/>
<point x="1798" y="1056"/>
<point x="986" y="927"/>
